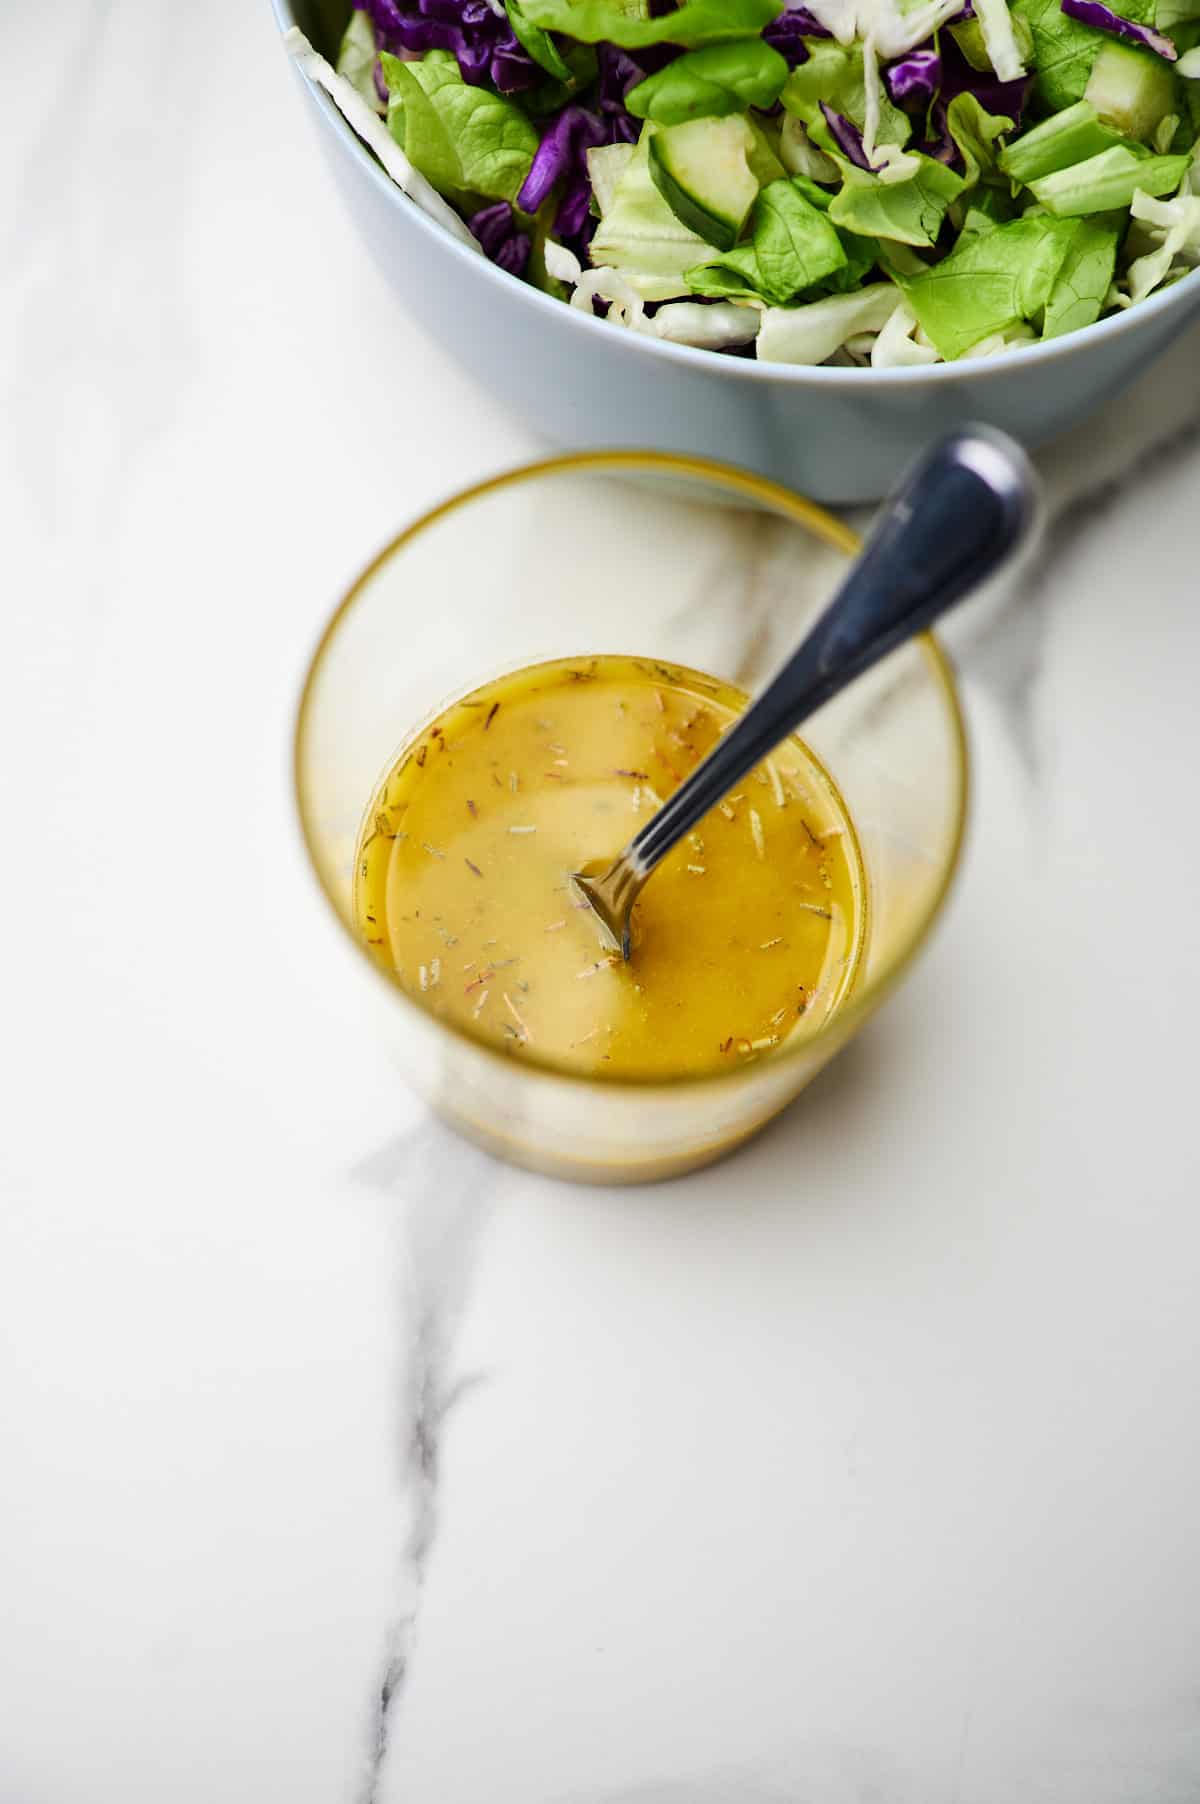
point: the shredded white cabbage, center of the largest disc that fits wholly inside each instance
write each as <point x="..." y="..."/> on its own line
<point x="995" y="22"/>
<point x="1165" y="213"/>
<point x="996" y="342"/>
<point x="606" y="164"/>
<point x="891" y="164"/>
<point x="873" y="89"/>
<point x="626" y="306"/>
<point x="812" y="333"/>
<point x="714" y="328"/>
<point x="897" y="347"/>
<point x="893" y="27"/>
<point x="562" y="264"/>
<point x="1178" y="223"/>
<point x="358" y="60"/>
<point x="800" y="156"/>
<point x="376" y="136"/>
<point x="1189" y="65"/>
<point x="717" y="327"/>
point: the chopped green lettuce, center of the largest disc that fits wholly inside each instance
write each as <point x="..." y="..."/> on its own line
<point x="977" y="134"/>
<point x="862" y="254"/>
<point x="764" y="163"/>
<point x="1079" y="291"/>
<point x="792" y="247"/>
<point x="992" y="280"/>
<point x="834" y="74"/>
<point x="1063" y="53"/>
<point x="1169" y="15"/>
<point x="628" y="23"/>
<point x="911" y="212"/>
<point x="465" y="140"/>
<point x="356" y="58"/>
<point x="538" y="43"/>
<point x="1065" y="138"/>
<point x="725" y="78"/>
<point x="1109" y="180"/>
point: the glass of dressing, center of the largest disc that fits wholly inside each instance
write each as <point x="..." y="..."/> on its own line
<point x="508" y="690"/>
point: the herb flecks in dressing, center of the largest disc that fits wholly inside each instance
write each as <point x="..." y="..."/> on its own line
<point x="750" y="931"/>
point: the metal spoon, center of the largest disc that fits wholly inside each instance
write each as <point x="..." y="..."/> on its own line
<point x="961" y="511"/>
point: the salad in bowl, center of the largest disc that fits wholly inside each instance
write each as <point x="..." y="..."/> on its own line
<point x="856" y="182"/>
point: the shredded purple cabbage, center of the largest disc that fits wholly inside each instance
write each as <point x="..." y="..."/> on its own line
<point x="484" y="43"/>
<point x="1003" y="99"/>
<point x="941" y="146"/>
<point x="496" y="229"/>
<point x="928" y="80"/>
<point x="1102" y="18"/>
<point x="561" y="153"/>
<point x="561" y="162"/>
<point x="847" y="137"/>
<point x="616" y="73"/>
<point x="788" y="32"/>
<point x="913" y="80"/>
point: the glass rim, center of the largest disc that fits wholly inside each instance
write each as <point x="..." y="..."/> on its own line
<point x="824" y="526"/>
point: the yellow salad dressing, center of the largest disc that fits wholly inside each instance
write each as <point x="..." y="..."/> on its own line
<point x="751" y="930"/>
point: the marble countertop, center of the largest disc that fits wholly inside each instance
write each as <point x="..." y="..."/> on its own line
<point x="342" y="1463"/>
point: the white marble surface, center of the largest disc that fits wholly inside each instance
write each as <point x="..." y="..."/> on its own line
<point x="341" y="1463"/>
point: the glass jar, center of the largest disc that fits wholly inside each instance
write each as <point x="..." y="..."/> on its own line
<point x="656" y="556"/>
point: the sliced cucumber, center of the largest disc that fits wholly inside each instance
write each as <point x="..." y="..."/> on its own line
<point x="702" y="171"/>
<point x="1131" y="90"/>
<point x="1065" y="138"/>
<point x="638" y="233"/>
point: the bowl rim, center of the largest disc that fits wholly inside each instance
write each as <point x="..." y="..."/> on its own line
<point x="871" y="992"/>
<point x="747" y="369"/>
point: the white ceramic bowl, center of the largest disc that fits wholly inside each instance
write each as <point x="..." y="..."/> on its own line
<point x="837" y="435"/>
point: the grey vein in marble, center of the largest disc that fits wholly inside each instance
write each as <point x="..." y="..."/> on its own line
<point x="443" y="1188"/>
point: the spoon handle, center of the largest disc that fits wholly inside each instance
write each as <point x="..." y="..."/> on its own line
<point x="959" y="513"/>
